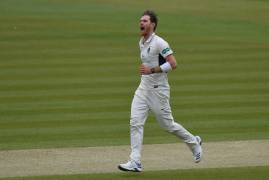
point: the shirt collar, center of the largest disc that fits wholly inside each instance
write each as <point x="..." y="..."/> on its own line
<point x="149" y="39"/>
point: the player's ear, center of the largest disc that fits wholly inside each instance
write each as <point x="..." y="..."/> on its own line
<point x="153" y="25"/>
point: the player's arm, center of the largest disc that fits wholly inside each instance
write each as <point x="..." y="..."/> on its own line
<point x="172" y="61"/>
<point x="170" y="64"/>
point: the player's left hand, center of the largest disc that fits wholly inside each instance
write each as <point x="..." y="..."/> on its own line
<point x="144" y="69"/>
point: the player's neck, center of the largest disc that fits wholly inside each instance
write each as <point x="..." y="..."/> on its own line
<point x="147" y="36"/>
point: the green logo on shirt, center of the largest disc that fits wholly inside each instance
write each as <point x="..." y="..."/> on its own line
<point x="165" y="50"/>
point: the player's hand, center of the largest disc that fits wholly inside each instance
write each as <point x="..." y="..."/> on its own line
<point x="144" y="69"/>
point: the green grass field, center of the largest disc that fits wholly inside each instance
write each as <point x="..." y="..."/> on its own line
<point x="69" y="70"/>
<point x="247" y="173"/>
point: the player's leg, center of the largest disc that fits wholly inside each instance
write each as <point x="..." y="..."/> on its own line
<point x="161" y="107"/>
<point x="139" y="113"/>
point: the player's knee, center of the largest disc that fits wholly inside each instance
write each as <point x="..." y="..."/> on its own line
<point x="169" y="129"/>
<point x="135" y="122"/>
<point x="166" y="126"/>
<point x="169" y="126"/>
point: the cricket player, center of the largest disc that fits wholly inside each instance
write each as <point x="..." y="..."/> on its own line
<point x="153" y="94"/>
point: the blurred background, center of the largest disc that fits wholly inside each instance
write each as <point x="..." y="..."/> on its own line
<point x="69" y="69"/>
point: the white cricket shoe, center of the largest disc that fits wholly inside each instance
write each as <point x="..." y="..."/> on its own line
<point x="197" y="150"/>
<point x="131" y="166"/>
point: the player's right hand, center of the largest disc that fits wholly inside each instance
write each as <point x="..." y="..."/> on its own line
<point x="144" y="70"/>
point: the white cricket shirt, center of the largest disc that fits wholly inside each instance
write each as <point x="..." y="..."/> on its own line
<point x="153" y="53"/>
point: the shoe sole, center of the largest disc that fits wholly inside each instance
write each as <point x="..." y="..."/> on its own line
<point x="123" y="169"/>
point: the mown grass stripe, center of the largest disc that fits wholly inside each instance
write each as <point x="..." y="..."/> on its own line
<point x="61" y="69"/>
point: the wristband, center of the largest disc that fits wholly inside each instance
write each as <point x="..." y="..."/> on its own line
<point x="166" y="67"/>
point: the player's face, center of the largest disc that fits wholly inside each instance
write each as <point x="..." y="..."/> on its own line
<point x="146" y="26"/>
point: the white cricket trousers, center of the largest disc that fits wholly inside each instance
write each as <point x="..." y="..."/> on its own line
<point x="157" y="101"/>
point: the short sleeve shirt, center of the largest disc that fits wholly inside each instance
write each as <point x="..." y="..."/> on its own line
<point x="153" y="53"/>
